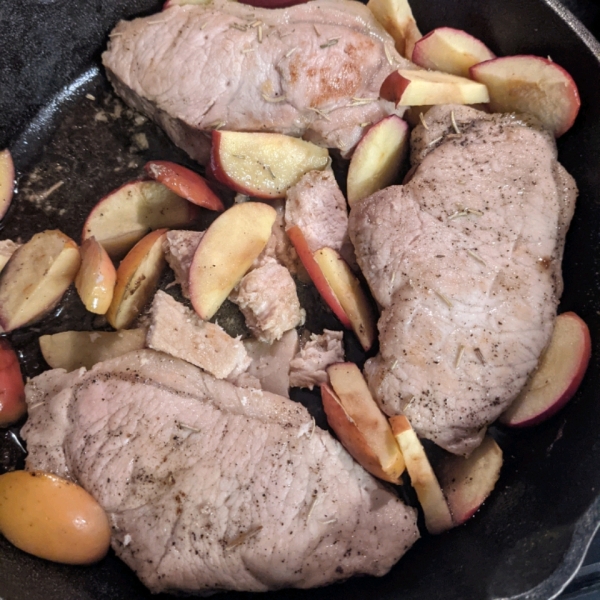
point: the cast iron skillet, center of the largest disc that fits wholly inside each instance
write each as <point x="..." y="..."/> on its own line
<point x="530" y="536"/>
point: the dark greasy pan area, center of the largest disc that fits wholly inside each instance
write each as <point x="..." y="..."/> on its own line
<point x="530" y="536"/>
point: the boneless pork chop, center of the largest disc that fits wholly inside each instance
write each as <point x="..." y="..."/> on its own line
<point x="313" y="70"/>
<point x="465" y="262"/>
<point x="209" y="486"/>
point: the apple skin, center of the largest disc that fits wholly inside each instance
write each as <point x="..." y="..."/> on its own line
<point x="185" y="183"/>
<point x="12" y="388"/>
<point x="558" y="376"/>
<point x="451" y="51"/>
<point x="316" y="274"/>
<point x="7" y="181"/>
<point x="533" y="85"/>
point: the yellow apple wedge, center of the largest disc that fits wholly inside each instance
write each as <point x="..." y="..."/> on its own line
<point x="128" y="213"/>
<point x="7" y="181"/>
<point x="96" y="278"/>
<point x="350" y="294"/>
<point x="137" y="279"/>
<point x="71" y="350"/>
<point x="227" y="250"/>
<point x="36" y="277"/>
<point x="359" y="423"/>
<point x="397" y="19"/>
<point x="411" y="87"/>
<point x="377" y="159"/>
<point x="435" y="508"/>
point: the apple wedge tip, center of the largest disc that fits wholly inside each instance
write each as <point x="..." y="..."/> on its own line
<point x="7" y="181"/>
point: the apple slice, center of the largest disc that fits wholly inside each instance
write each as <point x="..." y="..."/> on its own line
<point x="72" y="350"/>
<point x="12" y="388"/>
<point x="408" y="87"/>
<point x="7" y="181"/>
<point x="316" y="274"/>
<point x="184" y="183"/>
<point x="226" y="252"/>
<point x="263" y="165"/>
<point x="137" y="279"/>
<point x="351" y="296"/>
<point x="359" y="423"/>
<point x="558" y="376"/>
<point x="127" y="214"/>
<point x="532" y="85"/>
<point x="377" y="158"/>
<point x="435" y="508"/>
<point x="36" y="277"/>
<point x="397" y="19"/>
<point x="451" y="51"/>
<point x="96" y="278"/>
<point x="467" y="482"/>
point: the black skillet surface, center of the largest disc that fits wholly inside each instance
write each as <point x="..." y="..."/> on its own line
<point x="531" y="535"/>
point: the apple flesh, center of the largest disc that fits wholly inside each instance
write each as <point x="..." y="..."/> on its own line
<point x="226" y="252"/>
<point x="435" y="508"/>
<point x="71" y="350"/>
<point x="12" y="388"/>
<point x="451" y="51"/>
<point x="558" y="376"/>
<point x="359" y="423"/>
<point x="137" y="279"/>
<point x="350" y="294"/>
<point x="7" y="181"/>
<point x="127" y="214"/>
<point x="532" y="85"/>
<point x="96" y="278"/>
<point x="184" y="183"/>
<point x="263" y="165"/>
<point x="377" y="158"/>
<point x="397" y="19"/>
<point x="316" y="274"/>
<point x="408" y="87"/>
<point x="467" y="482"/>
<point x="36" y="277"/>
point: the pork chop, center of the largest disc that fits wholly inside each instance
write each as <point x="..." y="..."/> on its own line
<point x="312" y="70"/>
<point x="209" y="486"/>
<point x="464" y="260"/>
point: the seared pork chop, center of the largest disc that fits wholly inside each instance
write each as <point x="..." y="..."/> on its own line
<point x="209" y="486"/>
<point x="465" y="262"/>
<point x="312" y="70"/>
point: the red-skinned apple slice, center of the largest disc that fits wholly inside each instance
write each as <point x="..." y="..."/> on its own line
<point x="359" y="423"/>
<point x="435" y="508"/>
<point x="411" y="87"/>
<point x="263" y="165"/>
<point x="451" y="51"/>
<point x="558" y="376"/>
<point x="532" y="85"/>
<point x="12" y="389"/>
<point x="348" y="291"/>
<point x="227" y="250"/>
<point x="467" y="482"/>
<point x="137" y="279"/>
<point x="36" y="277"/>
<point x="96" y="278"/>
<point x="377" y="158"/>
<point x="185" y="183"/>
<point x="7" y="181"/>
<point x="127" y="214"/>
<point x="397" y="19"/>
<point x="318" y="278"/>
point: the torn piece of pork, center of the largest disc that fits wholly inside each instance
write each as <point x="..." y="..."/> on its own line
<point x="213" y="487"/>
<point x="317" y="206"/>
<point x="179" y="247"/>
<point x="269" y="302"/>
<point x="180" y="332"/>
<point x="465" y="261"/>
<point x="308" y="368"/>
<point x="312" y="70"/>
